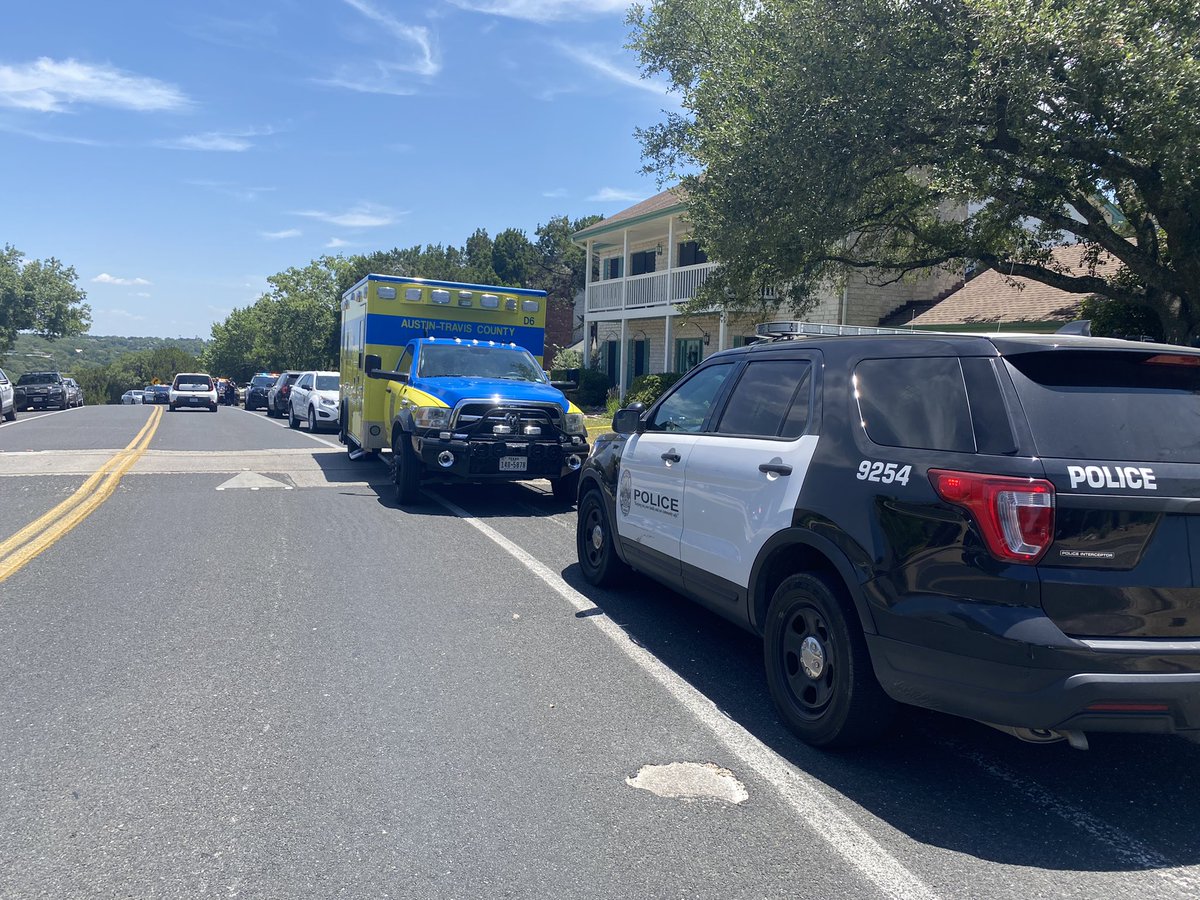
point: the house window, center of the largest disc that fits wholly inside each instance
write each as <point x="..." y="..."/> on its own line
<point x="688" y="353"/>
<point x="612" y="267"/>
<point x="642" y="263"/>
<point x="638" y="361"/>
<point x="690" y="254"/>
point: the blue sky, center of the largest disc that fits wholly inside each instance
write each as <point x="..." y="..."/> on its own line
<point x="176" y="154"/>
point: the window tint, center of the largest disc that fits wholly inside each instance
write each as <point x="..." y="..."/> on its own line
<point x="1123" y="405"/>
<point x="305" y="382"/>
<point x="919" y="403"/>
<point x="771" y="399"/>
<point x="686" y="408"/>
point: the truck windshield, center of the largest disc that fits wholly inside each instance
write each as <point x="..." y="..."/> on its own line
<point x="458" y="361"/>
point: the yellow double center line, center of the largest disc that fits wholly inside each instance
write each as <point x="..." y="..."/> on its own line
<point x="47" y="530"/>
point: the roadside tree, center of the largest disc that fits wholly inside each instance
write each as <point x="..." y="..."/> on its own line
<point x="40" y="296"/>
<point x="824" y="137"/>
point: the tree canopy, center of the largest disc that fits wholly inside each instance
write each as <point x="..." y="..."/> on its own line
<point x="39" y="296"/>
<point x="823" y="137"/>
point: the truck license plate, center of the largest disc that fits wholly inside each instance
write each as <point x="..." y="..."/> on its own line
<point x="514" y="463"/>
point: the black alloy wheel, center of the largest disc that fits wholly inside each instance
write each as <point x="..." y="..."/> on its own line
<point x="312" y="420"/>
<point x="406" y="471"/>
<point x="818" y="666"/>
<point x="598" y="558"/>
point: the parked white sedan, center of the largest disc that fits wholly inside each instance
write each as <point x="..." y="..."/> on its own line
<point x="314" y="399"/>
<point x="131" y="397"/>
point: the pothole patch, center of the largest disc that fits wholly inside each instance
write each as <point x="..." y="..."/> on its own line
<point x="690" y="781"/>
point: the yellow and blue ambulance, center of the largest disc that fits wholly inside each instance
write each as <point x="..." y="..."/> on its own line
<point x="449" y="377"/>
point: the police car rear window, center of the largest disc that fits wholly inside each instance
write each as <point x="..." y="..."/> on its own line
<point x="1121" y="405"/>
<point x="919" y="403"/>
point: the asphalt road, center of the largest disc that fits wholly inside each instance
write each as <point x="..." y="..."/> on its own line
<point x="248" y="673"/>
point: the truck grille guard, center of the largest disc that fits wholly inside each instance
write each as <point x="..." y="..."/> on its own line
<point x="480" y="419"/>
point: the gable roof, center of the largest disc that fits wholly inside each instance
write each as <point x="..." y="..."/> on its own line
<point x="994" y="297"/>
<point x="672" y="199"/>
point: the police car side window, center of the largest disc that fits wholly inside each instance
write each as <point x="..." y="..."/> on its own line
<point x="686" y="408"/>
<point x="918" y="402"/>
<point x="771" y="399"/>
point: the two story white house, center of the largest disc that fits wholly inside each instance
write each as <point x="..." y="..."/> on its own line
<point x="643" y="265"/>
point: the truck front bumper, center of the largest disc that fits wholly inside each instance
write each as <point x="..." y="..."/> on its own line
<point x="500" y="460"/>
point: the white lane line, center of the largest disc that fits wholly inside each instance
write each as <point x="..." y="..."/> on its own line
<point x="34" y="418"/>
<point x="813" y="801"/>
<point x="284" y="424"/>
<point x="1118" y="843"/>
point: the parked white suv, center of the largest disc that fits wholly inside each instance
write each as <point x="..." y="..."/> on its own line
<point x="8" y="404"/>
<point x="195" y="390"/>
<point x="314" y="399"/>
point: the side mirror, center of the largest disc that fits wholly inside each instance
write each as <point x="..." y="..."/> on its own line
<point x="372" y="361"/>
<point x="628" y="420"/>
<point x="564" y="385"/>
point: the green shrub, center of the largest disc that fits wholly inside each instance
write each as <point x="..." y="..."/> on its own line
<point x="592" y="388"/>
<point x="648" y="388"/>
<point x="613" y="403"/>
<point x="567" y="359"/>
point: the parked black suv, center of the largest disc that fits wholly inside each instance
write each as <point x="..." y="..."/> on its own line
<point x="256" y="391"/>
<point x="279" y="394"/>
<point x="1002" y="527"/>
<point x="41" y="390"/>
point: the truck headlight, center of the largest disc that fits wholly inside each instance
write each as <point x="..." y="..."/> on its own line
<point x="574" y="423"/>
<point x="431" y="417"/>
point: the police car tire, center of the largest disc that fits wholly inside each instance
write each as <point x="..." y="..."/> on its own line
<point x="844" y="706"/>
<point x="600" y="565"/>
<point x="406" y="473"/>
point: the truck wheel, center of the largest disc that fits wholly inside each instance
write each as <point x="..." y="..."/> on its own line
<point x="293" y="422"/>
<point x="406" y="469"/>
<point x="566" y="488"/>
<point x="594" y="537"/>
<point x="818" y="667"/>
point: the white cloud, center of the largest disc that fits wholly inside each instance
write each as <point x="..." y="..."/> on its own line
<point x="122" y="314"/>
<point x="608" y="195"/>
<point x="610" y="70"/>
<point x="556" y="193"/>
<point x="545" y="10"/>
<point x="51" y="138"/>
<point x="364" y="215"/>
<point x="229" y="189"/>
<point x="213" y="140"/>
<point x="105" y="278"/>
<point x="142" y="294"/>
<point x="379" y="81"/>
<point x="336" y="242"/>
<point x="424" y="63"/>
<point x="281" y="235"/>
<point x="49" y="85"/>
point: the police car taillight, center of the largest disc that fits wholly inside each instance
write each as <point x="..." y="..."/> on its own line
<point x="1015" y="515"/>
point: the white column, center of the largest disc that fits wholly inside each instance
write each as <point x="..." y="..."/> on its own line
<point x="623" y="356"/>
<point x="723" y="333"/>
<point x="624" y="269"/>
<point x="667" y="341"/>
<point x="587" y="318"/>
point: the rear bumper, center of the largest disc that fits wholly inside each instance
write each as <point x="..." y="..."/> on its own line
<point x="1082" y="689"/>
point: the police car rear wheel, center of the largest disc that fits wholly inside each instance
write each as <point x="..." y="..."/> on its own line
<point x="818" y="666"/>
<point x="405" y="471"/>
<point x="598" y="558"/>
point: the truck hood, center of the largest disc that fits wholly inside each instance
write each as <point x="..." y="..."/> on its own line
<point x="452" y="391"/>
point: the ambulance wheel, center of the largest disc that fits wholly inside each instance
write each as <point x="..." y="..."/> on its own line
<point x="406" y="471"/>
<point x="566" y="488"/>
<point x="598" y="558"/>
<point x="819" y="670"/>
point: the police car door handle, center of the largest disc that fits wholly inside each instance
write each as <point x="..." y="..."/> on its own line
<point x="775" y="469"/>
<point x="671" y="457"/>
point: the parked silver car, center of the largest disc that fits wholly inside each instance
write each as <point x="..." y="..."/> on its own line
<point x="8" y="405"/>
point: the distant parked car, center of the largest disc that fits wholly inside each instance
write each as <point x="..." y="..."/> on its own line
<point x="40" y="390"/>
<point x="256" y="390"/>
<point x="314" y="399"/>
<point x="8" y="404"/>
<point x="131" y="398"/>
<point x="160" y="394"/>
<point x="193" y="390"/>
<point x="277" y="396"/>
<point x="74" y="392"/>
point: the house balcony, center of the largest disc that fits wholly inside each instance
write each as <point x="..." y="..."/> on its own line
<point x="655" y="291"/>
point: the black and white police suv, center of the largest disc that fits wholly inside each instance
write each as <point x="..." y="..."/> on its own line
<point x="1002" y="527"/>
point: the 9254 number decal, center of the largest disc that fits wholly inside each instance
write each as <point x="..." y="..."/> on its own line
<point x="884" y="473"/>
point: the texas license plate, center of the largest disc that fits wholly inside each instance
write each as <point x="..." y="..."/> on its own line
<point x="514" y="463"/>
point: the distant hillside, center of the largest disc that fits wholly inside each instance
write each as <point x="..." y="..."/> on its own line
<point x="35" y="354"/>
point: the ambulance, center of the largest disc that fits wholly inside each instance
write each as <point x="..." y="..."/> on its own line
<point x="449" y="377"/>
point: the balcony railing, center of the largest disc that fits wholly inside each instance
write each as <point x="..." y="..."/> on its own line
<point x="648" y="291"/>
